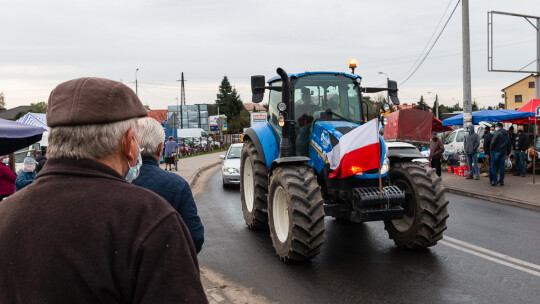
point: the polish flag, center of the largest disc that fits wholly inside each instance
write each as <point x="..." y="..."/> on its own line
<point x="357" y="151"/>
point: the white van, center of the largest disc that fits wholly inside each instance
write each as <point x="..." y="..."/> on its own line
<point x="455" y="142"/>
<point x="191" y="132"/>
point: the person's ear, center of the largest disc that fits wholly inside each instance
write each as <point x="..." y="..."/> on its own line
<point x="159" y="150"/>
<point x="127" y="144"/>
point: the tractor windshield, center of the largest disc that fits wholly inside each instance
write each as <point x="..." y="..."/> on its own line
<point x="314" y="94"/>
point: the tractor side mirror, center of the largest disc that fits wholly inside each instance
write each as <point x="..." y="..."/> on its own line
<point x="257" y="88"/>
<point x="392" y="91"/>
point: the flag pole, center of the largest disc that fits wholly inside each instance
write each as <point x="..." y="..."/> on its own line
<point x="380" y="179"/>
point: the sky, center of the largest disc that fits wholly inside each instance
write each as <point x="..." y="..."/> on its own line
<point x="44" y="43"/>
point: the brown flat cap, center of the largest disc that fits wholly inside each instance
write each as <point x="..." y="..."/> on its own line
<point x="92" y="100"/>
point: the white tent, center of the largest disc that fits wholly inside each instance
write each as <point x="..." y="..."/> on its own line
<point x="38" y="120"/>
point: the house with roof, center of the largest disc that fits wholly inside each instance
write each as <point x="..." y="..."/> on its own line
<point x="254" y="107"/>
<point x="519" y="93"/>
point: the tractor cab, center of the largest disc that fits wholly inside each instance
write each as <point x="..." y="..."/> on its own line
<point x="317" y="96"/>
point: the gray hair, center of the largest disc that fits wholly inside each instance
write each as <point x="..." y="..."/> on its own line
<point x="92" y="141"/>
<point x="151" y="134"/>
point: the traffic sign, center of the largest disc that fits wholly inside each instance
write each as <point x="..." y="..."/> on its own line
<point x="537" y="111"/>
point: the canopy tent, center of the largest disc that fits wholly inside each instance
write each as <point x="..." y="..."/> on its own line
<point x="437" y="126"/>
<point x="35" y="119"/>
<point x="488" y="115"/>
<point x="15" y="135"/>
<point x="528" y="107"/>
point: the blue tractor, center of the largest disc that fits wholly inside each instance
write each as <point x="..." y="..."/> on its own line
<point x="284" y="174"/>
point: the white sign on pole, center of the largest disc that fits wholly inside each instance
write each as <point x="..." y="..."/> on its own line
<point x="537" y="112"/>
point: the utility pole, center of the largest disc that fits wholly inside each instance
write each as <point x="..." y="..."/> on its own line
<point x="182" y="90"/>
<point x="537" y="84"/>
<point x="136" y="85"/>
<point x="467" y="106"/>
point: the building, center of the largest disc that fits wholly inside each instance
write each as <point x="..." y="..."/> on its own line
<point x="254" y="107"/>
<point x="15" y="113"/>
<point x="519" y="93"/>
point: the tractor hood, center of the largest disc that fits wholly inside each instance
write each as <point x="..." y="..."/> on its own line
<point x="336" y="129"/>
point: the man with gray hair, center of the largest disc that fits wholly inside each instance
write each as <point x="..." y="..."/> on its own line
<point x="81" y="232"/>
<point x="170" y="186"/>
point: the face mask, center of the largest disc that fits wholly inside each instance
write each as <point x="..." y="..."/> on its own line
<point x="497" y="129"/>
<point x="5" y="161"/>
<point x="492" y="132"/>
<point x="133" y="172"/>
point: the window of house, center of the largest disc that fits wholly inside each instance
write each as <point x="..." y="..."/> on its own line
<point x="531" y="84"/>
<point x="518" y="98"/>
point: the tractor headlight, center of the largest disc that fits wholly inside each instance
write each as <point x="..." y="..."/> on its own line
<point x="281" y="107"/>
<point x="386" y="166"/>
<point x="385" y="120"/>
<point x="281" y="122"/>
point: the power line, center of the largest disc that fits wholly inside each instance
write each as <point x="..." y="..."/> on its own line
<point x="434" y="42"/>
<point x="431" y="37"/>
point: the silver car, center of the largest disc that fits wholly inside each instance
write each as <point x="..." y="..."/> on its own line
<point x="230" y="170"/>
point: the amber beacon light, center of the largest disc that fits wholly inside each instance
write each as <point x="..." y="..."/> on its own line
<point x="352" y="64"/>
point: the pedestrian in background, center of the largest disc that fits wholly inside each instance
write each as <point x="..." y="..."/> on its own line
<point x="436" y="150"/>
<point x="27" y="174"/>
<point x="521" y="144"/>
<point x="41" y="159"/>
<point x="7" y="179"/>
<point x="471" y="145"/>
<point x="172" y="187"/>
<point x="488" y="136"/>
<point x="170" y="146"/>
<point x="500" y="149"/>
<point x="82" y="233"/>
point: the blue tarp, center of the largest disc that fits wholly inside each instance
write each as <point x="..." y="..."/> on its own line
<point x="15" y="135"/>
<point x="487" y="115"/>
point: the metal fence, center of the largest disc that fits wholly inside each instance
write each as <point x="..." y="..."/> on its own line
<point x="197" y="145"/>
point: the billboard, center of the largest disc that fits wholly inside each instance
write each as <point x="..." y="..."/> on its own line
<point x="256" y="118"/>
<point x="214" y="124"/>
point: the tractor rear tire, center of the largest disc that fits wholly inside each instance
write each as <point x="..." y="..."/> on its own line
<point x="295" y="213"/>
<point x="425" y="210"/>
<point x="253" y="187"/>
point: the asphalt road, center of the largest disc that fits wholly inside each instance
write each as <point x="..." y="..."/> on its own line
<point x="490" y="254"/>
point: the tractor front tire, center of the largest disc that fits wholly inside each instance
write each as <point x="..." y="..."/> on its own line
<point x="253" y="187"/>
<point x="425" y="208"/>
<point x="295" y="213"/>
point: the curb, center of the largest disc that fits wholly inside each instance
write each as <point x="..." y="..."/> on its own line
<point x="504" y="201"/>
<point x="196" y="174"/>
<point x="213" y="293"/>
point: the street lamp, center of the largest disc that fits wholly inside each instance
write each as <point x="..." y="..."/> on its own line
<point x="436" y="105"/>
<point x="136" y="86"/>
<point x="387" y="79"/>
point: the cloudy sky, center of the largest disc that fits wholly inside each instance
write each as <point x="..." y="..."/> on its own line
<point x="44" y="43"/>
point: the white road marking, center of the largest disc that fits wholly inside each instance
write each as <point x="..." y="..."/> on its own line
<point x="490" y="258"/>
<point x="493" y="253"/>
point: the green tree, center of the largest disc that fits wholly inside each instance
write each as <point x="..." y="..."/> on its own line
<point x="2" y="101"/>
<point x="39" y="107"/>
<point x="422" y="105"/>
<point x="229" y="103"/>
<point x="475" y="106"/>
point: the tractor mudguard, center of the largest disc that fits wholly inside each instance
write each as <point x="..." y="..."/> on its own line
<point x="404" y="154"/>
<point x="294" y="160"/>
<point x="265" y="142"/>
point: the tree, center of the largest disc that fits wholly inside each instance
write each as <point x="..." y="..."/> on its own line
<point x="38" y="107"/>
<point x="2" y="101"/>
<point x="229" y="103"/>
<point x="422" y="105"/>
<point x="475" y="106"/>
<point x="501" y="105"/>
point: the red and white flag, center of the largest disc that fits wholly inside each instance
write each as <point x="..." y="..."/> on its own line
<point x="357" y="151"/>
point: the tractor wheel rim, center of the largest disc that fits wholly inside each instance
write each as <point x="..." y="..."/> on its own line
<point x="280" y="214"/>
<point x="406" y="222"/>
<point x="248" y="184"/>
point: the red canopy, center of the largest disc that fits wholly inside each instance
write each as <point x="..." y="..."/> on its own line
<point x="528" y="107"/>
<point x="438" y="127"/>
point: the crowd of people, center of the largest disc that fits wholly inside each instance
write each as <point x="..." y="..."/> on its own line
<point x="101" y="222"/>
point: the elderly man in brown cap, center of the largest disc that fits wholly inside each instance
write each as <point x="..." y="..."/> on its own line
<point x="81" y="233"/>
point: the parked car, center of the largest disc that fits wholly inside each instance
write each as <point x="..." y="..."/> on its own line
<point x="231" y="165"/>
